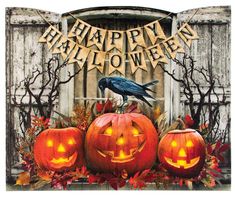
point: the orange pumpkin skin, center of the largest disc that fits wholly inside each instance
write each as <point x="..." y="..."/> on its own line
<point x="182" y="152"/>
<point x="59" y="149"/>
<point x="116" y="142"/>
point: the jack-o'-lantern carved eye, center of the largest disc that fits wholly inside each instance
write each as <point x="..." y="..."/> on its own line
<point x="71" y="141"/>
<point x="108" y="131"/>
<point x="135" y="131"/>
<point x="174" y="143"/>
<point x="49" y="143"/>
<point x="189" y="143"/>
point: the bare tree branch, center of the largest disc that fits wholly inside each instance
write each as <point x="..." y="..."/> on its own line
<point x="204" y="105"/>
<point x="42" y="102"/>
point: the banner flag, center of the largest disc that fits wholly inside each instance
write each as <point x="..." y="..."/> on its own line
<point x="79" y="55"/>
<point x="136" y="38"/>
<point x="79" y="29"/>
<point x="117" y="63"/>
<point x="50" y="36"/>
<point x="173" y="46"/>
<point x="160" y="48"/>
<point x="137" y="60"/>
<point x="96" y="37"/>
<point x="96" y="59"/>
<point x="155" y="32"/>
<point x="115" y="40"/>
<point x="187" y="34"/>
<point x="156" y="55"/>
<point x="64" y="46"/>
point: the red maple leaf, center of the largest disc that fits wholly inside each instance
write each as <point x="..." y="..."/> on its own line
<point x="138" y="181"/>
<point x="217" y="149"/>
<point x="116" y="180"/>
<point x="40" y="122"/>
<point x="104" y="108"/>
<point x="61" y="180"/>
<point x="80" y="173"/>
<point x="132" y="108"/>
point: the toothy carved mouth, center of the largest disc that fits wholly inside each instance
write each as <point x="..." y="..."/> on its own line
<point x="183" y="163"/>
<point x="63" y="160"/>
<point x="122" y="157"/>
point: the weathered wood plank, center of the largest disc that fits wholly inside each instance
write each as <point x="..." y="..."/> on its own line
<point x="18" y="43"/>
<point x="32" y="53"/>
<point x="221" y="53"/>
<point x="201" y="48"/>
<point x="27" y="16"/>
<point x="207" y="15"/>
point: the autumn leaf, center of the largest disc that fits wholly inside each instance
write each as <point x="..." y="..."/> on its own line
<point x="209" y="182"/>
<point x="92" y="179"/>
<point x="39" y="184"/>
<point x="162" y="124"/>
<point x="188" y="121"/>
<point x="138" y="181"/>
<point x="99" y="178"/>
<point x="45" y="175"/>
<point x="217" y="150"/>
<point x="80" y="173"/>
<point x="40" y="122"/>
<point x="157" y="112"/>
<point x="116" y="180"/>
<point x="104" y="108"/>
<point x="23" y="179"/>
<point x="132" y="108"/>
<point x="61" y="180"/>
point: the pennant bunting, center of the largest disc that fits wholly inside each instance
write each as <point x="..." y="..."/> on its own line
<point x="79" y="55"/>
<point x="156" y="55"/>
<point x="173" y="46"/>
<point x="96" y="37"/>
<point x="187" y="34"/>
<point x="50" y="36"/>
<point x="79" y="30"/>
<point x="155" y="32"/>
<point x="115" y="40"/>
<point x="117" y="63"/>
<point x="136" y="38"/>
<point x="64" y="46"/>
<point x="96" y="59"/>
<point x="137" y="60"/>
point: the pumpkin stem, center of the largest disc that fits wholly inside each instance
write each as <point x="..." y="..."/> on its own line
<point x="181" y="123"/>
<point x="121" y="109"/>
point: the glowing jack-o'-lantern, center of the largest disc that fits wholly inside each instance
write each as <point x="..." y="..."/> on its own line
<point x="115" y="142"/>
<point x="182" y="152"/>
<point x="59" y="149"/>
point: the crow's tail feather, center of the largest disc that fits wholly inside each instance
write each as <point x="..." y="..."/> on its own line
<point x="150" y="83"/>
<point x="143" y="99"/>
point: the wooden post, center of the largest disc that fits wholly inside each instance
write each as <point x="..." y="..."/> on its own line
<point x="66" y="98"/>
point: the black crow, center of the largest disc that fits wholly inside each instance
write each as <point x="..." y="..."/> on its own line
<point x="126" y="88"/>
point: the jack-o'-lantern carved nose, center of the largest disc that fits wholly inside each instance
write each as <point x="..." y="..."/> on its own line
<point x="120" y="140"/>
<point x="61" y="149"/>
<point x="182" y="153"/>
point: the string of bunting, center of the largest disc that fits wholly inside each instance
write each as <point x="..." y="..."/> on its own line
<point x="73" y="49"/>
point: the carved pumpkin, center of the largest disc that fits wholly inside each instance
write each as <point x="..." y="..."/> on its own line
<point x="115" y="142"/>
<point x="182" y="152"/>
<point x="59" y="149"/>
